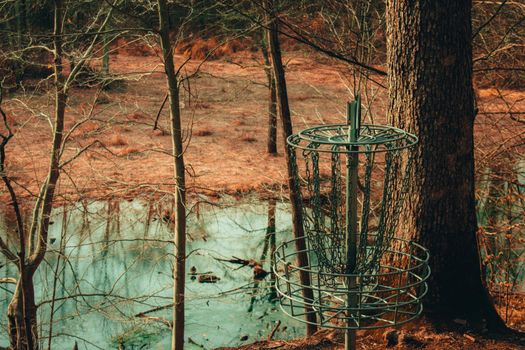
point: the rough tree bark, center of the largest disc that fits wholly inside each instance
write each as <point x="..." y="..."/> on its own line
<point x="180" y="186"/>
<point x="429" y="57"/>
<point x="283" y="109"/>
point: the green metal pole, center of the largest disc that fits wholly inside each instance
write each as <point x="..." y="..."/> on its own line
<point x="352" y="162"/>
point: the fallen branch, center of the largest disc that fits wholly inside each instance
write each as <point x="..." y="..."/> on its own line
<point x="277" y="325"/>
<point x="8" y="280"/>
<point x="159" y="308"/>
<point x="157" y="319"/>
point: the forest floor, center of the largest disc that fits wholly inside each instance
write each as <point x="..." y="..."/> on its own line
<point x="224" y="108"/>
<point x="418" y="335"/>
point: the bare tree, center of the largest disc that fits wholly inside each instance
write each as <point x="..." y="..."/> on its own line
<point x="271" y="142"/>
<point x="33" y="239"/>
<point x="177" y="342"/>
<point x="284" y="114"/>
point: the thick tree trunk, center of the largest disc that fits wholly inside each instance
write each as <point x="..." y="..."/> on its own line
<point x="180" y="186"/>
<point x="21" y="312"/>
<point x="284" y="113"/>
<point x="430" y="88"/>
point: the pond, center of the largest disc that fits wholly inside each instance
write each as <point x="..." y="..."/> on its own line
<point x="113" y="261"/>
<point x="109" y="270"/>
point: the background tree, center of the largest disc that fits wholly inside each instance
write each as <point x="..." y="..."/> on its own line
<point x="32" y="235"/>
<point x="179" y="270"/>
<point x="271" y="142"/>
<point x="283" y="109"/>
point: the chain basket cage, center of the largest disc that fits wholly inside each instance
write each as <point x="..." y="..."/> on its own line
<point x="320" y="175"/>
<point x="390" y="295"/>
<point x="361" y="275"/>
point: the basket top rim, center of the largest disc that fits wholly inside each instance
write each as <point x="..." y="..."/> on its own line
<point x="336" y="138"/>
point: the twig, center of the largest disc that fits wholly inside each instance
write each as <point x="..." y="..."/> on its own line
<point x="155" y="125"/>
<point x="159" y="308"/>
<point x="277" y="325"/>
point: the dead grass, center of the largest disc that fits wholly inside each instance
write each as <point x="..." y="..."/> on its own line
<point x="417" y="335"/>
<point x="11" y="121"/>
<point x="202" y="48"/>
<point x="511" y="307"/>
<point x="121" y="129"/>
<point x="231" y="47"/>
<point x="134" y="48"/>
<point x="136" y="116"/>
<point x="202" y="132"/>
<point x="92" y="140"/>
<point x="248" y="139"/>
<point x="211" y="48"/>
<point x="160" y="132"/>
<point x="201" y="105"/>
<point x="128" y="151"/>
<point x="236" y="117"/>
<point x="86" y="129"/>
<point x="117" y="140"/>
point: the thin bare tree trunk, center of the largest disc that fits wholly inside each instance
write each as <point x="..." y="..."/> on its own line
<point x="272" y="118"/>
<point x="180" y="190"/>
<point x="271" y="144"/>
<point x="22" y="316"/>
<point x="23" y="303"/>
<point x="105" y="55"/>
<point x="22" y="311"/>
<point x="284" y="113"/>
<point x="20" y="22"/>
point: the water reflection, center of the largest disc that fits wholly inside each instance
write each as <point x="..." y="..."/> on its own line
<point x="501" y="211"/>
<point x="113" y="268"/>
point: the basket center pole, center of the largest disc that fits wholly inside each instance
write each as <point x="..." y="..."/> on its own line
<point x="352" y="162"/>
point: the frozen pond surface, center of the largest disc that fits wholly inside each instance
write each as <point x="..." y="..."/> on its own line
<point x="117" y="262"/>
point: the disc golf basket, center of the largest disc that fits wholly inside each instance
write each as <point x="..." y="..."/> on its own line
<point x="361" y="275"/>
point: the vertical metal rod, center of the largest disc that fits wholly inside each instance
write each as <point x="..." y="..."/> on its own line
<point x="352" y="162"/>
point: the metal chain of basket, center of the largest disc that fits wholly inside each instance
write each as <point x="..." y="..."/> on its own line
<point x="320" y="183"/>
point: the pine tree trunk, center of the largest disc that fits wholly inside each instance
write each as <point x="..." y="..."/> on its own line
<point x="429" y="54"/>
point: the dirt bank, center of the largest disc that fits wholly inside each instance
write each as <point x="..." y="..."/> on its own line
<point x="225" y="115"/>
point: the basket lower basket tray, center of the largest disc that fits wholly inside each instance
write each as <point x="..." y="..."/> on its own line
<point x="388" y="296"/>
